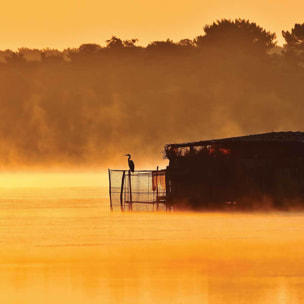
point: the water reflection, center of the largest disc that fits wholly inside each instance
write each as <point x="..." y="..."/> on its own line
<point x="80" y="284"/>
<point x="70" y="249"/>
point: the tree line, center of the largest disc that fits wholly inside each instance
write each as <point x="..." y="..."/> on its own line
<point x="89" y="105"/>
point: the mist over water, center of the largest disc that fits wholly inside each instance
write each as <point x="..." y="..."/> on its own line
<point x="63" y="245"/>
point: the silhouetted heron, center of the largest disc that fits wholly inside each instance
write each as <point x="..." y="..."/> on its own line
<point x="130" y="162"/>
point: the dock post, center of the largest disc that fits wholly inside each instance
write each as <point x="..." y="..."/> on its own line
<point x="121" y="191"/>
<point x="110" y="190"/>
<point x="130" y="189"/>
<point x="157" y="198"/>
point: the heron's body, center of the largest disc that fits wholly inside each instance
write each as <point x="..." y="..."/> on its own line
<point x="131" y="163"/>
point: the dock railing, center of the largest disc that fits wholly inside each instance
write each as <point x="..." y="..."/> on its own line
<point x="143" y="190"/>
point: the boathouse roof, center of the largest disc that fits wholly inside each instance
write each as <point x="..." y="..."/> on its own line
<point x="264" y="137"/>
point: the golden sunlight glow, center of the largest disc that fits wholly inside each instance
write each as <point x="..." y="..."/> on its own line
<point x="52" y="180"/>
<point x="62" y="24"/>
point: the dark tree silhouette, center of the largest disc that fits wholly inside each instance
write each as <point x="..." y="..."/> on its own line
<point x="114" y="43"/>
<point x="168" y="44"/>
<point x="130" y="42"/>
<point x="186" y="43"/>
<point x="237" y="34"/>
<point x="295" y="38"/>
<point x="117" y="43"/>
<point x="89" y="48"/>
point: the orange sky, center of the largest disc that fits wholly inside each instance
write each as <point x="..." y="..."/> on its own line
<point x="67" y="23"/>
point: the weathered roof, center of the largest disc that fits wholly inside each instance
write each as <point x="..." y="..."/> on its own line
<point x="264" y="137"/>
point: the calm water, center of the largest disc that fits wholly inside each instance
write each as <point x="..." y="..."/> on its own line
<point x="64" y="246"/>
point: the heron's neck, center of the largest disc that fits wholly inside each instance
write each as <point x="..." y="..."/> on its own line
<point x="129" y="157"/>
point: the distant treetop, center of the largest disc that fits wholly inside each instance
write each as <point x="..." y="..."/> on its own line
<point x="295" y="38"/>
<point x="236" y="34"/>
<point x="116" y="43"/>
